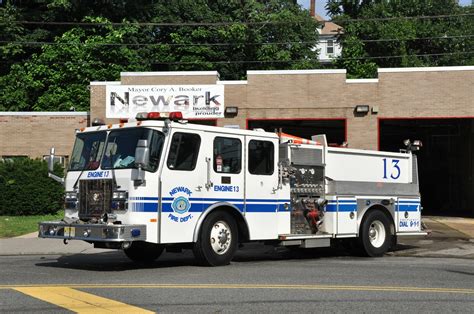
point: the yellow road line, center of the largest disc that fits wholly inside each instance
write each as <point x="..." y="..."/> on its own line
<point x="78" y="301"/>
<point x="251" y="286"/>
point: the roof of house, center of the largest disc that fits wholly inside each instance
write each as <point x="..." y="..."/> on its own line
<point x="328" y="28"/>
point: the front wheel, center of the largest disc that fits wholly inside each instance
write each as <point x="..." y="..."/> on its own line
<point x="217" y="240"/>
<point x="144" y="252"/>
<point x="375" y="238"/>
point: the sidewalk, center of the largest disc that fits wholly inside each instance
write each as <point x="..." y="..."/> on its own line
<point x="463" y="225"/>
<point x="30" y="244"/>
<point x="447" y="234"/>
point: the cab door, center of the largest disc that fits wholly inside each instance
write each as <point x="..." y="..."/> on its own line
<point x="261" y="187"/>
<point x="226" y="170"/>
<point x="181" y="186"/>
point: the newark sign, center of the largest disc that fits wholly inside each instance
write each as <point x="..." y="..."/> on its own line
<point x="194" y="101"/>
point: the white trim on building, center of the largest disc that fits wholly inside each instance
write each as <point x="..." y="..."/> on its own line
<point x="181" y="73"/>
<point x="361" y="81"/>
<point x="294" y="72"/>
<point x="427" y="69"/>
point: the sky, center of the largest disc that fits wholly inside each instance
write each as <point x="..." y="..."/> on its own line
<point x="321" y="3"/>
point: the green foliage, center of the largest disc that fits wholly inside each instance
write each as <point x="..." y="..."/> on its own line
<point x="378" y="34"/>
<point x="41" y="76"/>
<point x="25" y="188"/>
<point x="57" y="78"/>
<point x="281" y="38"/>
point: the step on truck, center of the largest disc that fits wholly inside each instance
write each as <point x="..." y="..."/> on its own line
<point x="162" y="183"/>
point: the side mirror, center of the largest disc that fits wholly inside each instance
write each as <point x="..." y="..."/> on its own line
<point x="51" y="168"/>
<point x="141" y="160"/>
<point x="141" y="153"/>
<point x="51" y="160"/>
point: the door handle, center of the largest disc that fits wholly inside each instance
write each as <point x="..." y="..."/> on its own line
<point x="209" y="184"/>
<point x="198" y="188"/>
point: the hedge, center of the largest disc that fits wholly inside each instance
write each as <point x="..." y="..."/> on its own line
<point x="25" y="188"/>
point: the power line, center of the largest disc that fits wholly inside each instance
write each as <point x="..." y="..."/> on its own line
<point x="227" y="44"/>
<point x="314" y="60"/>
<point x="186" y="24"/>
<point x="420" y="17"/>
<point x="257" y="61"/>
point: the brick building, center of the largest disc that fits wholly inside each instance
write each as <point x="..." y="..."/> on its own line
<point x="435" y="105"/>
<point x="30" y="134"/>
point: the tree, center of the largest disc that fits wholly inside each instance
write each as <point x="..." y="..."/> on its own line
<point x="271" y="34"/>
<point x="57" y="78"/>
<point x="56" y="61"/>
<point x="387" y="33"/>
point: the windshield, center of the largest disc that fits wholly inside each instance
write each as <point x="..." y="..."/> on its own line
<point x="121" y="145"/>
<point x="87" y="151"/>
<point x="118" y="152"/>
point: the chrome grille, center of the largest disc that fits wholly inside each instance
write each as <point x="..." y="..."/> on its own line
<point x="95" y="198"/>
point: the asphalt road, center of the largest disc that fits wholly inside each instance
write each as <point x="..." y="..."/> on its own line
<point x="260" y="279"/>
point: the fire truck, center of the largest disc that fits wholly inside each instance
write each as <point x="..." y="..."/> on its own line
<point x="160" y="183"/>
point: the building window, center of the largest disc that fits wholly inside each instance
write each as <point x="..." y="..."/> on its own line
<point x="330" y="47"/>
<point x="227" y="155"/>
<point x="261" y="157"/>
<point x="184" y="151"/>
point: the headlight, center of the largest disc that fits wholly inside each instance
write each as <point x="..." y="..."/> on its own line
<point x="70" y="200"/>
<point x="119" y="195"/>
<point x="119" y="200"/>
<point x="69" y="196"/>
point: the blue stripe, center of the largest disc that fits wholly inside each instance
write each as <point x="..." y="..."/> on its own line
<point x="261" y="208"/>
<point x="408" y="208"/>
<point x="342" y="207"/>
<point x="212" y="199"/>
<point x="145" y="207"/>
<point x="198" y="207"/>
<point x="143" y="198"/>
<point x="195" y="208"/>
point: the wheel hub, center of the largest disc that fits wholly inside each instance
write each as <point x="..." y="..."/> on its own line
<point x="220" y="237"/>
<point x="377" y="233"/>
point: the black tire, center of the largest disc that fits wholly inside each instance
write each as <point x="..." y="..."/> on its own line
<point x="217" y="240"/>
<point x="143" y="252"/>
<point x="374" y="236"/>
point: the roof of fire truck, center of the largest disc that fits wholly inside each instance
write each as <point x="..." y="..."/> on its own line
<point x="175" y="123"/>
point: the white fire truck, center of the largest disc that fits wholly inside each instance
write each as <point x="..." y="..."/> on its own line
<point x="162" y="183"/>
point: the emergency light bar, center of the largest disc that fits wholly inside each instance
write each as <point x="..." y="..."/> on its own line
<point x="176" y="115"/>
<point x="413" y="146"/>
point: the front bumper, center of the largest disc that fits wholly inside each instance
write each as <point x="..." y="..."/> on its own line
<point x="92" y="232"/>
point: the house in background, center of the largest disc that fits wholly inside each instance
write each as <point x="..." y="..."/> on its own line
<point x="328" y="46"/>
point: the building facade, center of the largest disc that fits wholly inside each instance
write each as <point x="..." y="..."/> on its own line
<point x="435" y="105"/>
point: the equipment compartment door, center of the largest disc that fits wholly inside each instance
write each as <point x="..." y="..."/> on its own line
<point x="346" y="215"/>
<point x="409" y="215"/>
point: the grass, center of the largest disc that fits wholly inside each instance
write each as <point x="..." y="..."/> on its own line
<point x="13" y="226"/>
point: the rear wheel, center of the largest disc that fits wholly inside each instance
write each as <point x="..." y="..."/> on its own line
<point x="143" y="252"/>
<point x="375" y="237"/>
<point x="217" y="241"/>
